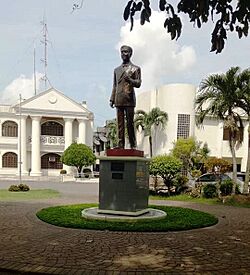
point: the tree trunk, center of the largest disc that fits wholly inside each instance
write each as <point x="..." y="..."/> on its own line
<point x="150" y="146"/>
<point x="245" y="187"/>
<point x="79" y="169"/>
<point x="168" y="184"/>
<point x="232" y="148"/>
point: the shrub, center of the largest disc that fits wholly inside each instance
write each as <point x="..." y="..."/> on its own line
<point x="19" y="188"/>
<point x="63" y="172"/>
<point x="195" y="192"/>
<point x="237" y="189"/>
<point x="180" y="184"/>
<point x="226" y="187"/>
<point x="14" y="188"/>
<point x="195" y="173"/>
<point x="210" y="191"/>
<point x="23" y="187"/>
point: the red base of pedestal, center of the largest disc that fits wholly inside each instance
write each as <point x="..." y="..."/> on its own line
<point x="124" y="153"/>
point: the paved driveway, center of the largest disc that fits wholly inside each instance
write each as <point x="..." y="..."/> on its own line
<point x="32" y="246"/>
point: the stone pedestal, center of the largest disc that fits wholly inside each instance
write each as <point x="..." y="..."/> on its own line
<point x="123" y="183"/>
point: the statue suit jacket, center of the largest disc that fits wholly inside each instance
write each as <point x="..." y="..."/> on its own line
<point x="123" y="94"/>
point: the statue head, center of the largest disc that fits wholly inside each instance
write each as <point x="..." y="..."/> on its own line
<point x="126" y="53"/>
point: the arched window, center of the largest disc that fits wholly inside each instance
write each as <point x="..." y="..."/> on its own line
<point x="9" y="129"/>
<point x="52" y="128"/>
<point x="51" y="161"/>
<point x="9" y="160"/>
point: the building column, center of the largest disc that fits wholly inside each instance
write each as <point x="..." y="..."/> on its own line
<point x="89" y="132"/>
<point x="23" y="150"/>
<point x="35" y="147"/>
<point x="82" y="131"/>
<point x="220" y="139"/>
<point x="245" y="150"/>
<point x="68" y="134"/>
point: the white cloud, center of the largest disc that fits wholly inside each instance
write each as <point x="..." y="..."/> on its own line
<point x="155" y="52"/>
<point x="22" y="85"/>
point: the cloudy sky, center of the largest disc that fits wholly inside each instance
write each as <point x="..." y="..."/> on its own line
<point x="83" y="51"/>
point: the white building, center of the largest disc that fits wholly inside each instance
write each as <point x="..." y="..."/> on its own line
<point x="178" y="101"/>
<point x="39" y="130"/>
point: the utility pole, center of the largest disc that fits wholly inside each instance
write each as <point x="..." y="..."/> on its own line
<point x="20" y="141"/>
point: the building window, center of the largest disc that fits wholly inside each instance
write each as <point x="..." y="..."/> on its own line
<point x="239" y="134"/>
<point x="52" y="128"/>
<point x="9" y="129"/>
<point x="51" y="161"/>
<point x="183" y="126"/>
<point x="9" y="160"/>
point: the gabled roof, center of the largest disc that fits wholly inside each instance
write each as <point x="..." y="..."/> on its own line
<point x="52" y="101"/>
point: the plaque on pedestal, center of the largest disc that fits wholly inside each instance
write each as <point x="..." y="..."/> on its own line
<point x="123" y="183"/>
<point x="124" y="153"/>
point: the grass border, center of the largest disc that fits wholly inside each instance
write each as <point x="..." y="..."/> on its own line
<point x="35" y="194"/>
<point x="228" y="200"/>
<point x="177" y="219"/>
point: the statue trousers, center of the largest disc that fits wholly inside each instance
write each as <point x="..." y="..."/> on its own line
<point x="127" y="112"/>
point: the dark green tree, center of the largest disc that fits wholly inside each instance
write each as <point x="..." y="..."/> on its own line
<point x="79" y="156"/>
<point x="167" y="167"/>
<point x="218" y="97"/>
<point x="227" y="15"/>
<point x="149" y="121"/>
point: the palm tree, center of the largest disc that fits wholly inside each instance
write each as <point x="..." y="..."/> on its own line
<point x="244" y="103"/>
<point x="219" y="94"/>
<point x="112" y="134"/>
<point x="149" y="121"/>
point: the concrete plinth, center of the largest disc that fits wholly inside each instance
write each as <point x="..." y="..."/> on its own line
<point x="123" y="185"/>
<point x="151" y="214"/>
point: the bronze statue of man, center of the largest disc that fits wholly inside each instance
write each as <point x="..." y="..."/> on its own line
<point x="126" y="77"/>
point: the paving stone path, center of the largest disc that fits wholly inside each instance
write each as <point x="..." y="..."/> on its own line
<point x="30" y="246"/>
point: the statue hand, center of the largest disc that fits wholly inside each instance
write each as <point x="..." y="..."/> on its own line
<point x="111" y="103"/>
<point x="127" y="78"/>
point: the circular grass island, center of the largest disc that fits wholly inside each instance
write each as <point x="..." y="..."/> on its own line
<point x="177" y="219"/>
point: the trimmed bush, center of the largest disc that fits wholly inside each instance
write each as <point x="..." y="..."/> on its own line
<point x="19" y="188"/>
<point x="226" y="187"/>
<point x="14" y="188"/>
<point x="210" y="191"/>
<point x="63" y="172"/>
<point x="23" y="187"/>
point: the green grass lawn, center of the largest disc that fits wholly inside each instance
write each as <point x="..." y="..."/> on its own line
<point x="184" y="197"/>
<point x="177" y="219"/>
<point x="6" y="195"/>
<point x="237" y="200"/>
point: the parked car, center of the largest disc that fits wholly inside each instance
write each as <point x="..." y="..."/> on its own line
<point x="241" y="176"/>
<point x="212" y="178"/>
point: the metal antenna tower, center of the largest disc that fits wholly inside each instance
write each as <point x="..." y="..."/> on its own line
<point x="34" y="68"/>
<point x="44" y="60"/>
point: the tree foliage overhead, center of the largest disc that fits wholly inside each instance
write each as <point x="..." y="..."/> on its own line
<point x="231" y="16"/>
<point x="79" y="156"/>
